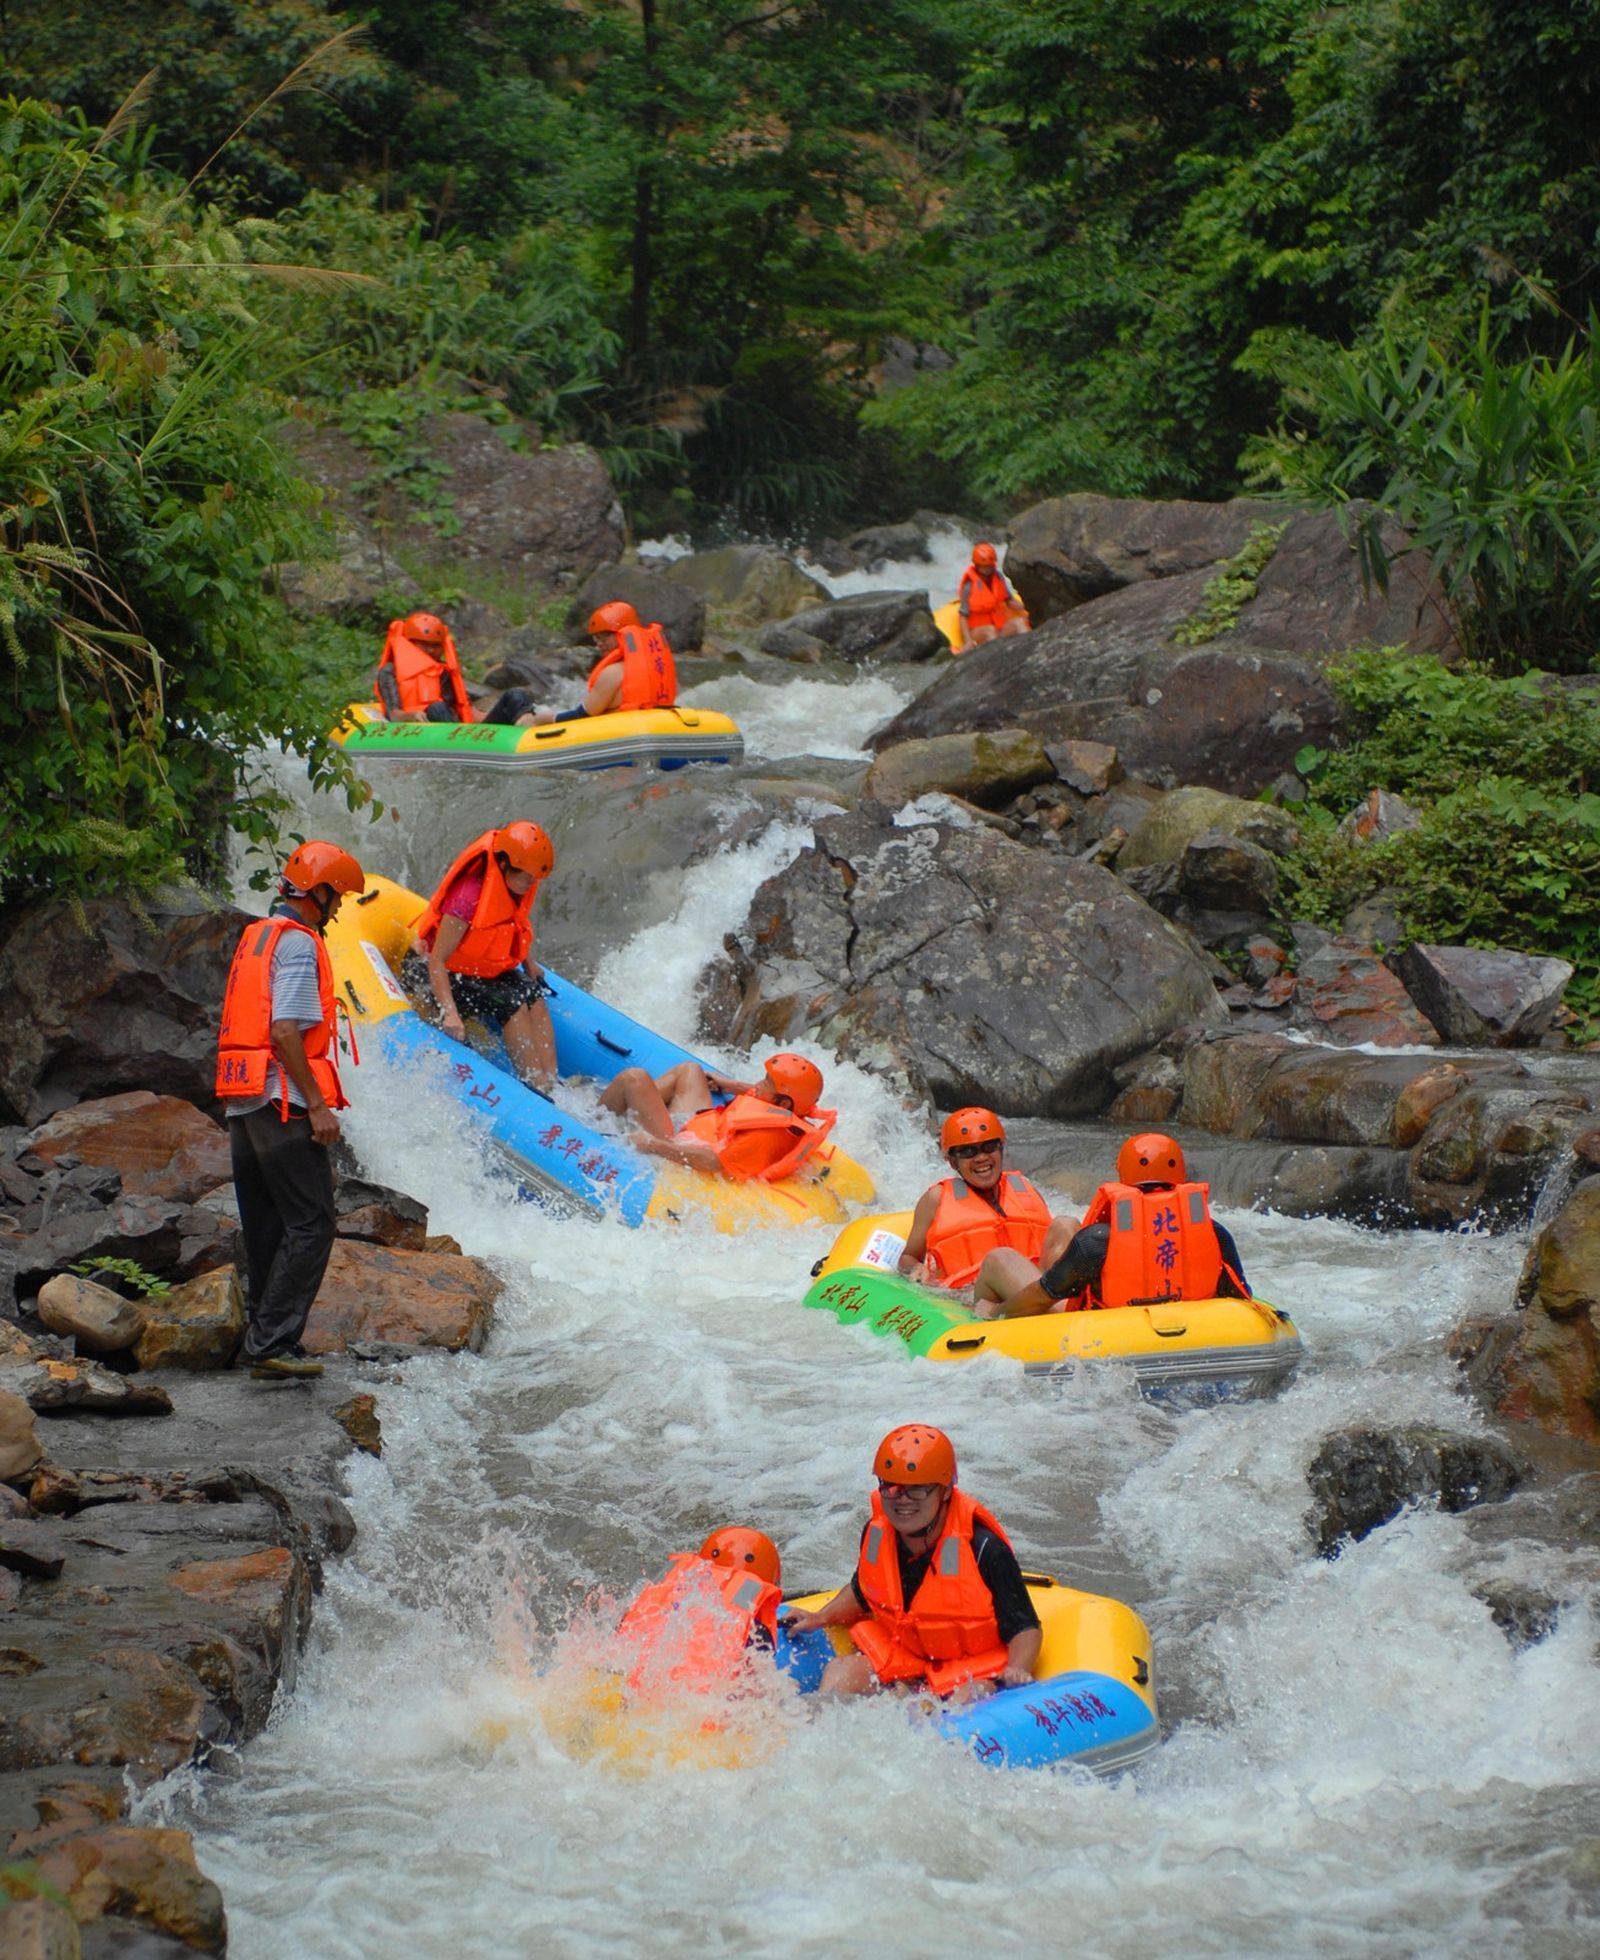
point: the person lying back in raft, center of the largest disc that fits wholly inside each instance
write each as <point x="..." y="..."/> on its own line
<point x="635" y="669"/>
<point x="767" y="1130"/>
<point x="419" y="678"/>
<point x="476" y="945"/>
<point x="986" y="1228"/>
<point x="710" y="1610"/>
<point x="1149" y="1237"/>
<point x="987" y="607"/>
<point x="938" y="1599"/>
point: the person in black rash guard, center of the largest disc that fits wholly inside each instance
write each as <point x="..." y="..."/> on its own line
<point x="1078" y="1276"/>
<point x="938" y="1600"/>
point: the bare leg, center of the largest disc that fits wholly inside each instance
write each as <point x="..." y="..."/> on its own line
<point x="980" y="636"/>
<point x="531" y="1041"/>
<point x="848" y="1674"/>
<point x="653" y="1104"/>
<point x="1014" y="625"/>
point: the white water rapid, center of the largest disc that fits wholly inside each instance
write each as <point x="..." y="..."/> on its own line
<point x="1355" y="1759"/>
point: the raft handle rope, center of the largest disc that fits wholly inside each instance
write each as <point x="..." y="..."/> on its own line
<point x="616" y="1047"/>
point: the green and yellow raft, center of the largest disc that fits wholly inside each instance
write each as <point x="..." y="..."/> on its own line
<point x="1224" y="1347"/>
<point x="667" y="737"/>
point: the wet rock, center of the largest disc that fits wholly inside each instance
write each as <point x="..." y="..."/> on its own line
<point x="1264" y="959"/>
<point x="1362" y="1478"/>
<point x="39" y="1929"/>
<point x="125" y="1708"/>
<point x="880" y="544"/>
<point x="1090" y="768"/>
<point x="146" y="1876"/>
<point x="865" y="627"/>
<point x="379" y="1214"/>
<point x="1488" y="1151"/>
<point x="1347" y="994"/>
<point x="1375" y="920"/>
<point x="1221" y="873"/>
<point x="1183" y="815"/>
<point x="1069" y="550"/>
<point x="1524" y="1614"/>
<point x="159" y="1145"/>
<point x="981" y="970"/>
<point x="1549" y="1370"/>
<point x="746" y="585"/>
<point x="37" y="1371"/>
<point x="31" y="1548"/>
<point x="100" y="1321"/>
<point x="1380" y="816"/>
<point x="985" y="769"/>
<point x="197" y="1325"/>
<point x="358" y="1418"/>
<point x="20" y="1448"/>
<point x="406" y="1299"/>
<point x="1481" y="997"/>
<point x="1420" y="1100"/>
<point x="164" y="1235"/>
<point x="125" y="1004"/>
<point x="670" y="603"/>
<point x="264" y="1596"/>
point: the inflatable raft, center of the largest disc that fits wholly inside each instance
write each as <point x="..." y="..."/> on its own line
<point x="948" y="621"/>
<point x="1092" y="1700"/>
<point x="1220" y="1347"/>
<point x="667" y="737"/>
<point x="557" y="1159"/>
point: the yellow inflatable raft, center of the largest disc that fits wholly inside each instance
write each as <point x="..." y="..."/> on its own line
<point x="667" y="737"/>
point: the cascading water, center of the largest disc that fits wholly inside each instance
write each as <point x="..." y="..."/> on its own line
<point x="1355" y="1756"/>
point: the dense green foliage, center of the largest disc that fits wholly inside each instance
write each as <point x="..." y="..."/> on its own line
<point x="1505" y="777"/>
<point x="142" y="501"/>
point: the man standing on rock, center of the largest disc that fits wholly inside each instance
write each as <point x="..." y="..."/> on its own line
<point x="278" y="1077"/>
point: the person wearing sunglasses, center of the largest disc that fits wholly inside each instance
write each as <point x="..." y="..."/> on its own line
<point x="938" y="1601"/>
<point x="986" y="1229"/>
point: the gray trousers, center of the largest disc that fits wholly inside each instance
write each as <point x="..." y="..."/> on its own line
<point x="284" y="1184"/>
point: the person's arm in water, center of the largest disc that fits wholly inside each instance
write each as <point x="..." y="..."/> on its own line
<point x="914" y="1259"/>
<point x="445" y="941"/>
<point x="843" y="1610"/>
<point x="680" y="1150"/>
<point x="289" y="1045"/>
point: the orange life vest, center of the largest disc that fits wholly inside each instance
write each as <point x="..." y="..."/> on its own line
<point x="966" y="1228"/>
<point x="498" y="935"/>
<point x="987" y="596"/>
<point x="692" y="1627"/>
<point x="244" y="1045"/>
<point x="649" y="677"/>
<point x="1163" y="1245"/>
<point x="948" y="1632"/>
<point x="754" y="1139"/>
<point x="419" y="678"/>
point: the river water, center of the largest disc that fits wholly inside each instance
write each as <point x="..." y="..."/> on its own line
<point x="1355" y="1758"/>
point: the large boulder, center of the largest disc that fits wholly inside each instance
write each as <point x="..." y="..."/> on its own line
<point x="20" y="1449"/>
<point x="161" y="1145"/>
<point x="1347" y="994"/>
<point x="165" y="1236"/>
<point x="1481" y="997"/>
<point x="1548" y="1366"/>
<point x="1229" y="715"/>
<point x="104" y="1000"/>
<point x="374" y="1294"/>
<point x="142" y="1877"/>
<point x="670" y="603"/>
<point x="981" y="970"/>
<point x="197" y="1325"/>
<point x="866" y="626"/>
<point x="747" y="585"/>
<point x="1362" y="1478"/>
<point x="1069" y="550"/>
<point x="98" y="1320"/>
<point x="986" y="769"/>
<point x="532" y="516"/>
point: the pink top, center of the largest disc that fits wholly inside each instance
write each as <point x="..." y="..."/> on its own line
<point x="461" y="901"/>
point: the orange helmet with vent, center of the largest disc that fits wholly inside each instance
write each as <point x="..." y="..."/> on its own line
<point x="965" y="1126"/>
<point x="797" y="1079"/>
<point x="1150" y="1159"/>
<point x="613" y="617"/>
<point x="915" y="1454"/>
<point x="743" y="1550"/>
<point x="317" y="862"/>
<point x="527" y="847"/>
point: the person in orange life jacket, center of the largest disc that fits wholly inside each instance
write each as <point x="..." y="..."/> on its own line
<point x="678" y="1117"/>
<point x="635" y="669"/>
<point x="278" y="1078"/>
<point x="696" y="1626"/>
<point x="419" y="679"/>
<point x="986" y="1228"/>
<point x="1148" y="1237"/>
<point x="938" y="1599"/>
<point x="477" y="947"/>
<point x="986" y="605"/>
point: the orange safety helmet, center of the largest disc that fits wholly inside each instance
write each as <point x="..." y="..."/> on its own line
<point x="425" y="629"/>
<point x="317" y="862"/>
<point x="612" y="618"/>
<point x="528" y="848"/>
<point x="971" y="1126"/>
<point x="984" y="555"/>
<point x="738" y="1547"/>
<point x="793" y="1076"/>
<point x="1151" y="1159"/>
<point x="915" y="1454"/>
